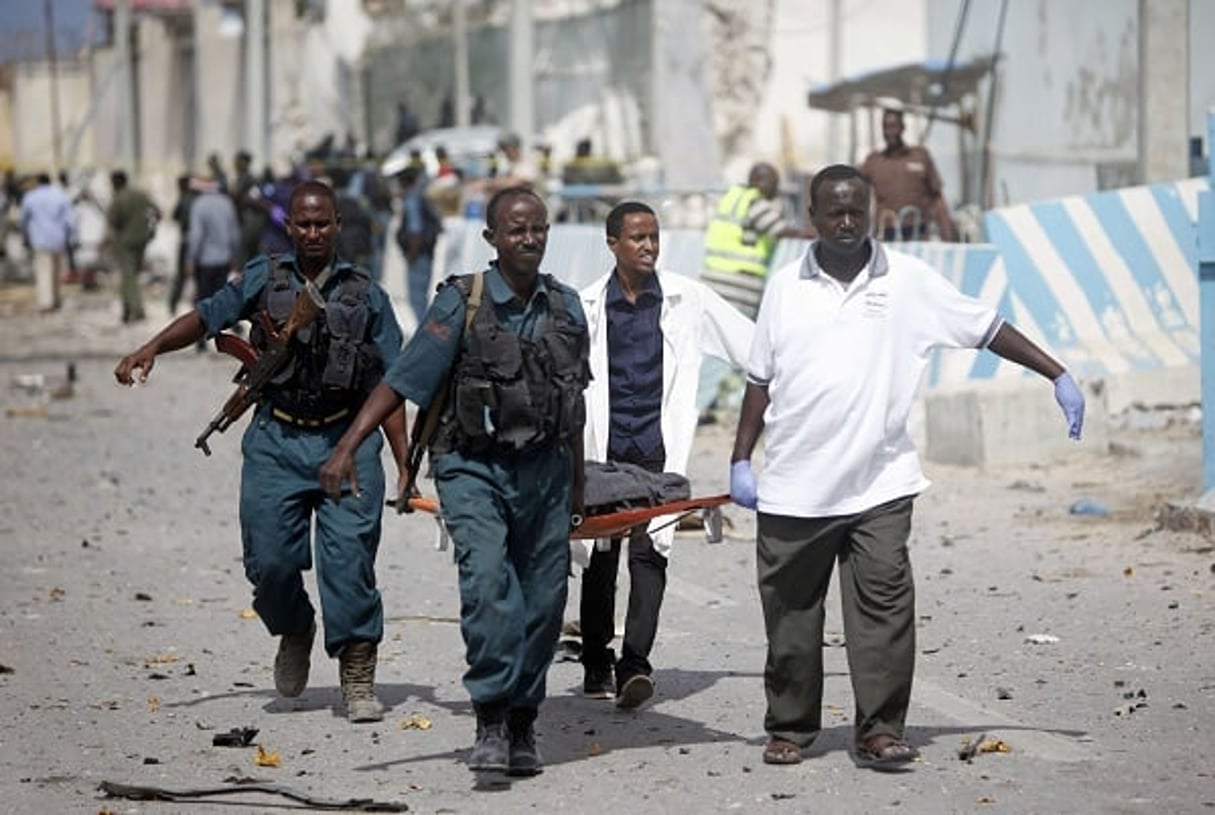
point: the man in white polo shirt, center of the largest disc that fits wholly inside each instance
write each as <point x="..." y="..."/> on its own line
<point x="841" y="340"/>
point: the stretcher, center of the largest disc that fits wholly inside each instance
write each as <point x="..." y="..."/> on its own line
<point x="609" y="524"/>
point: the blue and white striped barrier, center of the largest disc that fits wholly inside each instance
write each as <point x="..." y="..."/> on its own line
<point x="1105" y="280"/>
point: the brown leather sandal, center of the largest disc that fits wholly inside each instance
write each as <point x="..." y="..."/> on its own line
<point x="782" y="751"/>
<point x="884" y="750"/>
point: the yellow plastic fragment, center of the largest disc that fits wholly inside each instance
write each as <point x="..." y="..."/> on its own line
<point x="416" y="721"/>
<point x="266" y="759"/>
<point x="994" y="746"/>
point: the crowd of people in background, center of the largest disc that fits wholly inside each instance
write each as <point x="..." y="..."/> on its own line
<point x="616" y="367"/>
<point x="433" y="195"/>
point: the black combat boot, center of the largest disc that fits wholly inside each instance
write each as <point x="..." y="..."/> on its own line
<point x="492" y="748"/>
<point x="524" y="757"/>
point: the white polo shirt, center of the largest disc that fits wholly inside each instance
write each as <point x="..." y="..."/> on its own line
<point x="842" y="365"/>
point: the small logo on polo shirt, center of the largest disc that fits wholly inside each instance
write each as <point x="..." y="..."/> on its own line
<point x="875" y="304"/>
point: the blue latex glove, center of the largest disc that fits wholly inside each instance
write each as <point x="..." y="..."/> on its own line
<point x="742" y="485"/>
<point x="1069" y="397"/>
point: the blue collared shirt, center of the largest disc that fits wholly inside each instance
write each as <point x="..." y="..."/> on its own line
<point x="634" y="353"/>
<point x="427" y="358"/>
<point x="214" y="231"/>
<point x="47" y="218"/>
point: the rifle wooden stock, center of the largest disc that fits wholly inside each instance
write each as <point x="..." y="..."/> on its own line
<point x="237" y="347"/>
<point x="252" y="379"/>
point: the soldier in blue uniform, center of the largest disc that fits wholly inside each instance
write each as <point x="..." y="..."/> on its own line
<point x="334" y="364"/>
<point x="507" y="460"/>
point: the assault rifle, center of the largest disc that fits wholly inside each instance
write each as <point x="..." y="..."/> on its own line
<point x="258" y="369"/>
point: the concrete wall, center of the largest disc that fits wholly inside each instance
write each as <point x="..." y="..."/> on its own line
<point x="1164" y="87"/>
<point x="162" y="70"/>
<point x="31" y="120"/>
<point x="1092" y="94"/>
<point x="218" y="95"/>
<point x="288" y="119"/>
<point x="1202" y="67"/>
<point x="7" y="149"/>
<point x="683" y="133"/>
<point x="595" y="76"/>
<point x="872" y="34"/>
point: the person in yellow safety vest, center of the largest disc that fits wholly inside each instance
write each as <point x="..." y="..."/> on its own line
<point x="742" y="236"/>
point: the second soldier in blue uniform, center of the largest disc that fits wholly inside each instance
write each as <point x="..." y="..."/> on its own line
<point x="508" y="464"/>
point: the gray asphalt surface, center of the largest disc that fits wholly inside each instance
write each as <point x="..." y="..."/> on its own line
<point x="127" y="645"/>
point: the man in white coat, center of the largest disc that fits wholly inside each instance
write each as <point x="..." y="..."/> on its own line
<point x="649" y="331"/>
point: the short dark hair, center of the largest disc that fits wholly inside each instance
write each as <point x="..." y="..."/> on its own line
<point x="834" y="172"/>
<point x="44" y="178"/>
<point x="615" y="218"/>
<point x="495" y="201"/>
<point x="311" y="187"/>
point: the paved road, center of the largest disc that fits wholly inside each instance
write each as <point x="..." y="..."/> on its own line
<point x="127" y="646"/>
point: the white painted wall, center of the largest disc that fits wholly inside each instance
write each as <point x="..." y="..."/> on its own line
<point x="30" y="100"/>
<point x="1067" y="92"/>
<point x="1202" y="66"/>
<point x="876" y="33"/>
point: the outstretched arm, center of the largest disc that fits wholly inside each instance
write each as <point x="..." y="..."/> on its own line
<point x="1011" y="344"/>
<point x="1014" y="346"/>
<point x="185" y="330"/>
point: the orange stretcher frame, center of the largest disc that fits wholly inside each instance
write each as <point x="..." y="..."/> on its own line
<point x="611" y="524"/>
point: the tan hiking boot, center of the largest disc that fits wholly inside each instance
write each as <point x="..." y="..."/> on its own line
<point x="356" y="669"/>
<point x="292" y="662"/>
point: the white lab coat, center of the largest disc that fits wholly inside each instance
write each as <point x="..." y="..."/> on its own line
<point x="694" y="321"/>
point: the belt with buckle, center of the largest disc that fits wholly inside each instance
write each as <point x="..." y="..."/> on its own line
<point x="308" y="421"/>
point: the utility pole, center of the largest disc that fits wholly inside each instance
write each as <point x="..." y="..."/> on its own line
<point x="459" y="33"/>
<point x="52" y="58"/>
<point x="255" y="80"/>
<point x="124" y="152"/>
<point x="1164" y="83"/>
<point x="835" y="45"/>
<point x="1206" y="311"/>
<point x="522" y="75"/>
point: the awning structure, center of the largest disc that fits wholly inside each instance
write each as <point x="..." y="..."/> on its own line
<point x="932" y="83"/>
<point x="938" y="91"/>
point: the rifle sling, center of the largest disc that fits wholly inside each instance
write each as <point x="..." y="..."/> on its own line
<point x="426" y="422"/>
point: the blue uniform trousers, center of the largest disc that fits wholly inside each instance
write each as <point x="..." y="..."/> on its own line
<point x="279" y="496"/>
<point x="508" y="515"/>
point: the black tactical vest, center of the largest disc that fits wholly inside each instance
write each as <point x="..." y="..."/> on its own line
<point x="510" y="393"/>
<point x="334" y="362"/>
